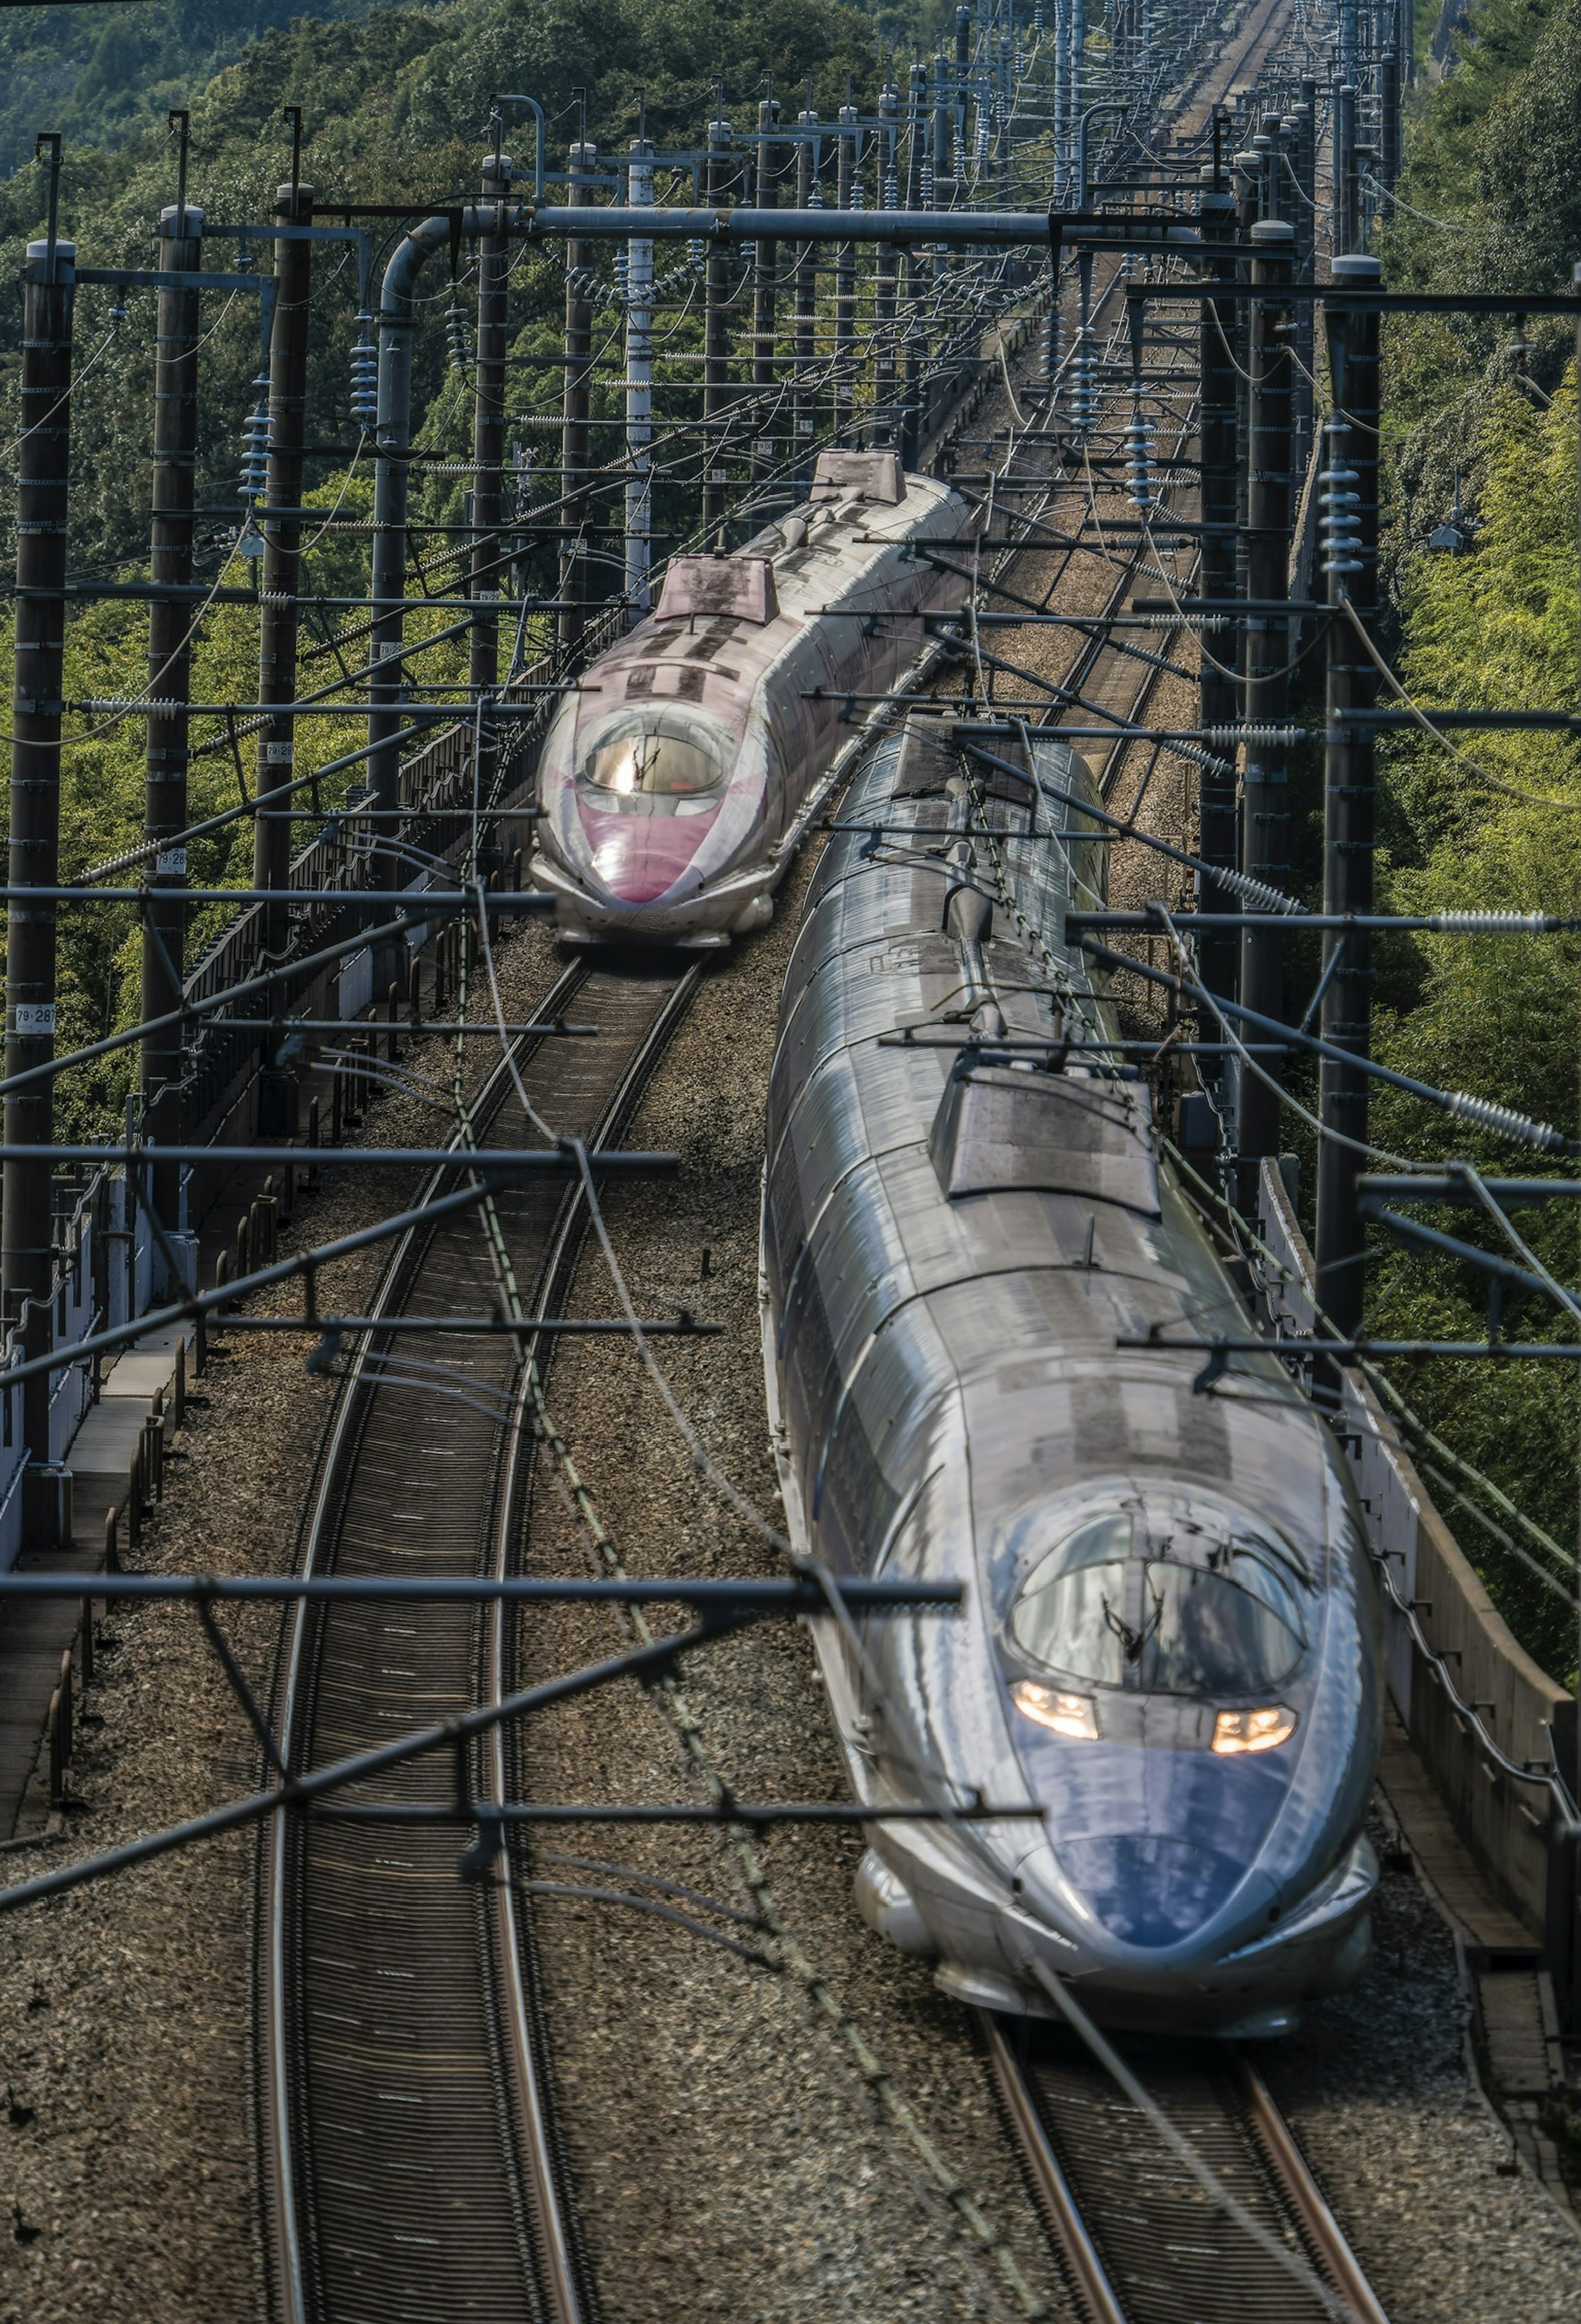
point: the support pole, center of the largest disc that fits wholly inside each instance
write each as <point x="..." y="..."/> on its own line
<point x="1349" y="799"/>
<point x="639" y="393"/>
<point x="1265" y="778"/>
<point x="170" y="663"/>
<point x="849" y="197"/>
<point x="1390" y="80"/>
<point x="1246" y="179"/>
<point x="765" y="450"/>
<point x="943" y="173"/>
<point x="917" y="266"/>
<point x="806" y="283"/>
<point x="574" y="473"/>
<point x="715" y="339"/>
<point x="43" y="461"/>
<point x="1219" y="696"/>
<point x="1344" y="214"/>
<point x="886" y="271"/>
<point x="488" y="453"/>
<point x="278" y="619"/>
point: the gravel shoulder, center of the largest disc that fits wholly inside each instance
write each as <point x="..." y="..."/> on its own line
<point x="729" y="2156"/>
<point x="1415" y="2166"/>
<point x="127" y="2174"/>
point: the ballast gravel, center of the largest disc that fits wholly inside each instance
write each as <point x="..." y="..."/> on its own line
<point x="128" y="2185"/>
<point x="724" y="2120"/>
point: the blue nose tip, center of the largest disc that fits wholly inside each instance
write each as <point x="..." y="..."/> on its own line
<point x="1149" y="1890"/>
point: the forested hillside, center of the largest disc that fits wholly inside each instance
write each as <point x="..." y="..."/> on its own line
<point x="395" y="105"/>
<point x="1491" y="199"/>
<point x="101" y="74"/>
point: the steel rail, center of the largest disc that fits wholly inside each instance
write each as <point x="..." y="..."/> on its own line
<point x="512" y="1937"/>
<point x="1134" y="2245"/>
<point x="1074" y="2246"/>
<point x="548" y="2279"/>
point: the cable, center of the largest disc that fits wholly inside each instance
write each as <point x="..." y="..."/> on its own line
<point x="1494" y="782"/>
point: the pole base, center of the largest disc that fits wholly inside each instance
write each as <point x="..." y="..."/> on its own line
<point x="46" y="1506"/>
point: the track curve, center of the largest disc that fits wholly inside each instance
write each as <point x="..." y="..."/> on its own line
<point x="410" y="2160"/>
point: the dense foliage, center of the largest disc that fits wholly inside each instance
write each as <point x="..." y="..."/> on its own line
<point x="395" y="105"/>
<point x="1494" y="157"/>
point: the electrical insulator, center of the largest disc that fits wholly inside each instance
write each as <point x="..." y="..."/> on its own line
<point x="1484" y="924"/>
<point x="621" y="268"/>
<point x="1139" y="451"/>
<point x="455" y="337"/>
<point x="364" y="375"/>
<point x="1083" y="398"/>
<point x="694" y="254"/>
<point x="1506" y="1121"/>
<point x="255" y="443"/>
<point x="1339" y="522"/>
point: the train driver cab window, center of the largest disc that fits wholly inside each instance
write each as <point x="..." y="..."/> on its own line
<point x="657" y="761"/>
<point x="1165" y="1595"/>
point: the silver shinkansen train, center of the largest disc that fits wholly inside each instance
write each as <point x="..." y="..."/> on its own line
<point x="672" y="775"/>
<point x="1170" y="1640"/>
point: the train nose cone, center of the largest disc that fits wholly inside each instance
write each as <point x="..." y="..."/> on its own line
<point x="1149" y="1890"/>
<point x="636" y="859"/>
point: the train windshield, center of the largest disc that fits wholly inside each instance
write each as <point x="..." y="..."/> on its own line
<point x="654" y="754"/>
<point x="1137" y="1599"/>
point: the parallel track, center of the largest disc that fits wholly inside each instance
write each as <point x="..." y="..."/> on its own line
<point x="1140" y="2241"/>
<point x="411" y="2159"/>
<point x="1265" y="24"/>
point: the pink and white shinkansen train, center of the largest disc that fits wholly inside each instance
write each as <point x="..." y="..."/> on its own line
<point x="674" y="770"/>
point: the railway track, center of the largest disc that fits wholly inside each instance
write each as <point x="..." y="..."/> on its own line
<point x="1259" y="35"/>
<point x="1140" y="2240"/>
<point x="410" y="2160"/>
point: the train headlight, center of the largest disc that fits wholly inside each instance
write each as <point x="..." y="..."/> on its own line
<point x="1252" y="1731"/>
<point x="1066" y="1714"/>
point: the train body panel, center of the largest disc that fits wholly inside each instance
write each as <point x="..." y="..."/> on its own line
<point x="1171" y="1642"/>
<point x="674" y="770"/>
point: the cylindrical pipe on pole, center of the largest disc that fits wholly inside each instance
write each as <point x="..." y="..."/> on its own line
<point x="488" y="453"/>
<point x="574" y="452"/>
<point x="849" y="197"/>
<point x="1221" y="652"/>
<point x="170" y="661"/>
<point x="806" y="290"/>
<point x="716" y="337"/>
<point x="886" y="266"/>
<point x="959" y="169"/>
<point x="916" y="265"/>
<point x="639" y="394"/>
<point x="387" y="606"/>
<point x="764" y="297"/>
<point x="1345" y="221"/>
<point x="1349" y="796"/>
<point x="944" y="188"/>
<point x="1246" y="180"/>
<point x="1391" y="80"/>
<point x="1265" y="774"/>
<point x="278" y="619"/>
<point x="43" y="466"/>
